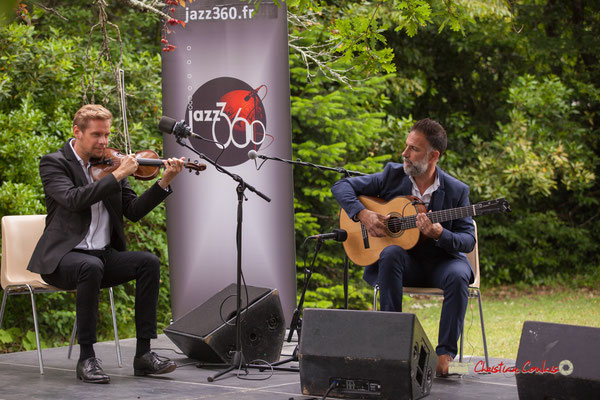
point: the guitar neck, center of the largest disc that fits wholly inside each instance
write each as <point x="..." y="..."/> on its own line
<point x="441" y="216"/>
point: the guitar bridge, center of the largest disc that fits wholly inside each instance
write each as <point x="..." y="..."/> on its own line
<point x="365" y="236"/>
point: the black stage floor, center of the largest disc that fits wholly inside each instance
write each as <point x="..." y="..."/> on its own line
<point x="20" y="379"/>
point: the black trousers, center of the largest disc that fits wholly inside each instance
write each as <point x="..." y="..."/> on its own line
<point x="88" y="271"/>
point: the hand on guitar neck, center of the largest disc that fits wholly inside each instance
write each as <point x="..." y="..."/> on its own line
<point x="428" y="228"/>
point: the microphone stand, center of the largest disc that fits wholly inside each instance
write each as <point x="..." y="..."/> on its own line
<point x="237" y="358"/>
<point x="339" y="170"/>
<point x="296" y="323"/>
<point x="347" y="173"/>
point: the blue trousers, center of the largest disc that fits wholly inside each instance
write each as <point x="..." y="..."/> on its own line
<point x="397" y="268"/>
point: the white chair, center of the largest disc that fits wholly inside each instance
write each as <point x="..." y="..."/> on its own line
<point x="474" y="291"/>
<point x="20" y="234"/>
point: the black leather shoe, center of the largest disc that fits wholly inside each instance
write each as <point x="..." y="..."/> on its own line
<point x="89" y="370"/>
<point x="152" y="363"/>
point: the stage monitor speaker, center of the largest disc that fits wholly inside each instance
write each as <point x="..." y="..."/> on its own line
<point x="558" y="362"/>
<point x="365" y="354"/>
<point x="207" y="333"/>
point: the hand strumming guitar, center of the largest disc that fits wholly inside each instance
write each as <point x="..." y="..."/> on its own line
<point x="374" y="222"/>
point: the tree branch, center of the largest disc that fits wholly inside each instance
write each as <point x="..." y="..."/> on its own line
<point x="322" y="56"/>
<point x="152" y="7"/>
<point x="52" y="10"/>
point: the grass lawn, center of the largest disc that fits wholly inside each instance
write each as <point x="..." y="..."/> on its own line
<point x="504" y="311"/>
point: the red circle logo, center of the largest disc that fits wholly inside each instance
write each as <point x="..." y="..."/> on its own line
<point x="229" y="114"/>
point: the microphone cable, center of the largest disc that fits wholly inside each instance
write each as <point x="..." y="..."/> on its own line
<point x="217" y="143"/>
<point x="329" y="389"/>
<point x="258" y="167"/>
<point x="262" y="377"/>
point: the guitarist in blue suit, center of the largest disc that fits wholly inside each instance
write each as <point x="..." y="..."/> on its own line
<point x="438" y="261"/>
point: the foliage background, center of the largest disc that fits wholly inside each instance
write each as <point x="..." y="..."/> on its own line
<point x="515" y="85"/>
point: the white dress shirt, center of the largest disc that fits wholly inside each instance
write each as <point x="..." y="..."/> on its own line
<point x="98" y="236"/>
<point x="426" y="196"/>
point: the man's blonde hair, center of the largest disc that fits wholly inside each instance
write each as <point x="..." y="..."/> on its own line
<point x="90" y="112"/>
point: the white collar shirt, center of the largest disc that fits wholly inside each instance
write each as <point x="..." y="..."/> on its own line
<point x="98" y="235"/>
<point x="426" y="196"/>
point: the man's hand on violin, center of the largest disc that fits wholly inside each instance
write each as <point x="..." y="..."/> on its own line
<point x="173" y="166"/>
<point x="127" y="167"/>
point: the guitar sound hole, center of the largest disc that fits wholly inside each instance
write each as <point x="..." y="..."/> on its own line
<point x="394" y="225"/>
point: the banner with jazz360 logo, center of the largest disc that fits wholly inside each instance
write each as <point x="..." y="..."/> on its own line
<point x="226" y="73"/>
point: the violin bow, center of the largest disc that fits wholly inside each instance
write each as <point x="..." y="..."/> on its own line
<point x="123" y="103"/>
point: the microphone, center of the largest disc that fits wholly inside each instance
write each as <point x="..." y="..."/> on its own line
<point x="339" y="235"/>
<point x="253" y="155"/>
<point x="180" y="129"/>
<point x="253" y="93"/>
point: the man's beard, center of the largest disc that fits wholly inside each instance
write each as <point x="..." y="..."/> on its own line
<point x="415" y="168"/>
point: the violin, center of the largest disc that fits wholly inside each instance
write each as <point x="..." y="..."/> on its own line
<point x="149" y="164"/>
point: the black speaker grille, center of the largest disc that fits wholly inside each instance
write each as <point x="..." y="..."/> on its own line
<point x="371" y="355"/>
<point x="548" y="347"/>
<point x="202" y="333"/>
<point x="214" y="311"/>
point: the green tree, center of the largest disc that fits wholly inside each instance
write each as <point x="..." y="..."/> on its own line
<point x="44" y="64"/>
<point x="515" y="83"/>
<point x="520" y="104"/>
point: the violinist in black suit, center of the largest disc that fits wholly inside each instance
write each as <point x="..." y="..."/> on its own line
<point x="83" y="245"/>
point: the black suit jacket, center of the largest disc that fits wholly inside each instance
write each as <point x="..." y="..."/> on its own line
<point x="68" y="200"/>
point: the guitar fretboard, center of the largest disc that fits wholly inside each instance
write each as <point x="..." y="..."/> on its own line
<point x="404" y="223"/>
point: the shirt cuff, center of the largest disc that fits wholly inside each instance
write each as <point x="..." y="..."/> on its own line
<point x="167" y="189"/>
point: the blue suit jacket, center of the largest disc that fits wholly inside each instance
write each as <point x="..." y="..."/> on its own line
<point x="458" y="236"/>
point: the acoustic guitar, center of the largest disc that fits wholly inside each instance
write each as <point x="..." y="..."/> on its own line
<point x="401" y="227"/>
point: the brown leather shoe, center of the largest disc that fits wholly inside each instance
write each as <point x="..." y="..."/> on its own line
<point x="442" y="366"/>
<point x="152" y="363"/>
<point x="89" y="371"/>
